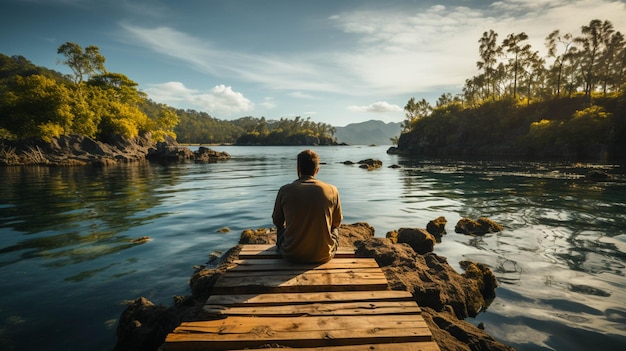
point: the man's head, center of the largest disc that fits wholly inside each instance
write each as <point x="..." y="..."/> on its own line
<point x="308" y="163"/>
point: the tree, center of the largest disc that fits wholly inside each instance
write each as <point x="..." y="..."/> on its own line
<point x="489" y="52"/>
<point x="513" y="45"/>
<point x="610" y="67"/>
<point x="414" y="111"/>
<point x="36" y="106"/>
<point x="551" y="44"/>
<point x="82" y="63"/>
<point x="594" y="35"/>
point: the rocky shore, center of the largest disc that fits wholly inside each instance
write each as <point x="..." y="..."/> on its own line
<point x="77" y="150"/>
<point x="446" y="296"/>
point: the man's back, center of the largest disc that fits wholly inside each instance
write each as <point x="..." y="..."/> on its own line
<point x="308" y="209"/>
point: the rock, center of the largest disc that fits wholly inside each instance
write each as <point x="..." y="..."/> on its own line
<point x="481" y="226"/>
<point x="393" y="236"/>
<point x="169" y="152"/>
<point x="258" y="236"/>
<point x="598" y="176"/>
<point x="370" y="164"/>
<point x="141" y="240"/>
<point x="78" y="150"/>
<point x="429" y="277"/>
<point x="419" y="239"/>
<point x="392" y="150"/>
<point x="437" y="227"/>
<point x="452" y="334"/>
<point x="444" y="295"/>
<point x="206" y="155"/>
<point x="141" y="326"/>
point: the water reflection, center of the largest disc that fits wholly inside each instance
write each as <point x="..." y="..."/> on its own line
<point x="74" y="214"/>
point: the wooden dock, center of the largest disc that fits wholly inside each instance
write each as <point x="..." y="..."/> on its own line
<point x="342" y="305"/>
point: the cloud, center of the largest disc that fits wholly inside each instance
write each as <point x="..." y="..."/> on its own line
<point x="268" y="103"/>
<point x="301" y="95"/>
<point x="221" y="100"/>
<point x="377" y="107"/>
<point x="408" y="51"/>
<point x="401" y="50"/>
<point x="284" y="72"/>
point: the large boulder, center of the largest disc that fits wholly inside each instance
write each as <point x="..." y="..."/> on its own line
<point x="419" y="239"/>
<point x="481" y="226"/>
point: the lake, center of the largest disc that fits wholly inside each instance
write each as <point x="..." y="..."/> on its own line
<point x="68" y="259"/>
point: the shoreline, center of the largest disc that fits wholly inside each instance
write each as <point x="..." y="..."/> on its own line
<point x="445" y="296"/>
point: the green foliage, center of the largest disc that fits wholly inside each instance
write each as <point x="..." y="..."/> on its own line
<point x="522" y="106"/>
<point x="35" y="106"/>
<point x="560" y="128"/>
<point x="82" y="62"/>
<point x="40" y="103"/>
<point x="285" y="131"/>
<point x="200" y="128"/>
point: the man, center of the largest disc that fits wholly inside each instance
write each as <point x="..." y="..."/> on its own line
<point x="307" y="214"/>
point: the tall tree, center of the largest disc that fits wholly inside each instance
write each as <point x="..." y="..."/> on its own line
<point x="414" y="111"/>
<point x="592" y="39"/>
<point x="551" y="44"/>
<point x="82" y="62"/>
<point x="610" y="61"/>
<point x="489" y="52"/>
<point x="513" y="44"/>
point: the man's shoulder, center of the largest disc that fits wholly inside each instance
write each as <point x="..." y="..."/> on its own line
<point x="324" y="184"/>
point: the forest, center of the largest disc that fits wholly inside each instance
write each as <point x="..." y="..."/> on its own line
<point x="570" y="104"/>
<point x="36" y="102"/>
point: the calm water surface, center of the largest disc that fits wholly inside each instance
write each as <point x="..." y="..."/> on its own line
<point x="68" y="260"/>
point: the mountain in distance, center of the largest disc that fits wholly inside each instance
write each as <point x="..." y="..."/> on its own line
<point x="368" y="133"/>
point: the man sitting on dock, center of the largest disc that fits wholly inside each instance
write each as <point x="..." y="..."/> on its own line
<point x="307" y="214"/>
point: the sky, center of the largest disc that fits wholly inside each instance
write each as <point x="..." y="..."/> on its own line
<point x="335" y="61"/>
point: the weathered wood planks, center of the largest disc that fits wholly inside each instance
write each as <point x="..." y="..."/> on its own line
<point x="341" y="305"/>
<point x="269" y="251"/>
<point x="242" y="332"/>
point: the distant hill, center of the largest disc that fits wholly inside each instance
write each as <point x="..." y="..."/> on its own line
<point x="368" y="133"/>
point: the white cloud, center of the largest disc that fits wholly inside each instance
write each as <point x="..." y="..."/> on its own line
<point x="284" y="72"/>
<point x="221" y="100"/>
<point x="268" y="103"/>
<point x="409" y="52"/>
<point x="377" y="107"/>
<point x="301" y="95"/>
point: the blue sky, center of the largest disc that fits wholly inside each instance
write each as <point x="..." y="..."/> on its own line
<point x="335" y="61"/>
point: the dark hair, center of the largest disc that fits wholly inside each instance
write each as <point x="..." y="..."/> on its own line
<point x="308" y="162"/>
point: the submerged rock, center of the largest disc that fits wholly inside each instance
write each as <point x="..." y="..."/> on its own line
<point x="370" y="164"/>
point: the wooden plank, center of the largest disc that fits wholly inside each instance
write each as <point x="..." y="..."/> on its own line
<point x="303" y="298"/>
<point x="309" y="281"/>
<point x="242" y="332"/>
<point x="269" y="251"/>
<point x="405" y="346"/>
<point x="295" y="271"/>
<point x="271" y="264"/>
<point x="319" y="309"/>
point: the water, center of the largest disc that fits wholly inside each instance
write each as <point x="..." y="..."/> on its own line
<point x="68" y="261"/>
